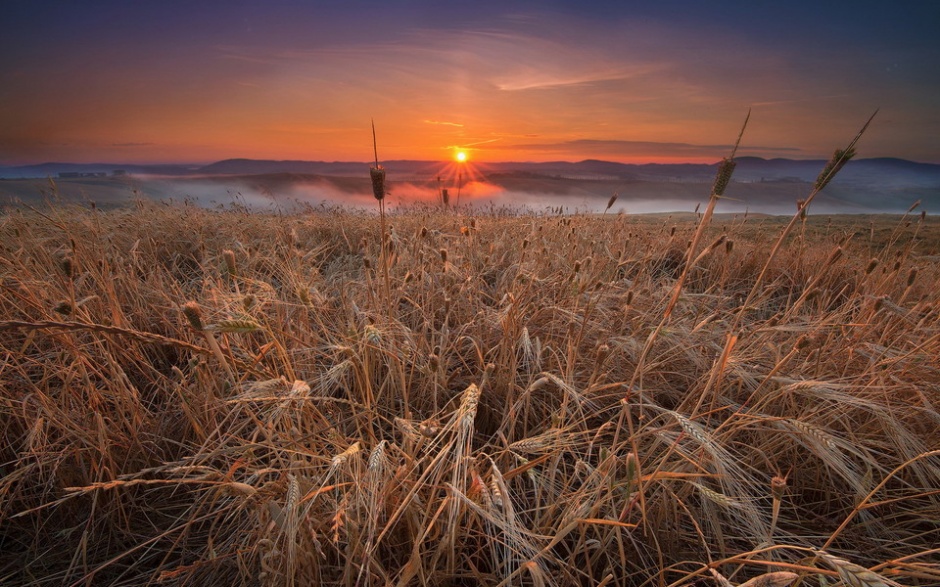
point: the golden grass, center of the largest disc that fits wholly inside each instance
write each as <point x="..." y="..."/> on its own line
<point x="216" y="397"/>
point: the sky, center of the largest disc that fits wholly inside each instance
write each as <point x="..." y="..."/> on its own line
<point x="664" y="81"/>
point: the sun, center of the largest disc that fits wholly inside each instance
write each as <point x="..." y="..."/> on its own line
<point x="461" y="156"/>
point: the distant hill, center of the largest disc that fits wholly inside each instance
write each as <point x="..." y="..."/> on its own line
<point x="884" y="172"/>
<point x="44" y="170"/>
<point x="887" y="170"/>
<point x="262" y="167"/>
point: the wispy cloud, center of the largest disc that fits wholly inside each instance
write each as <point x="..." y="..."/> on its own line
<point x="443" y="123"/>
<point x="483" y="142"/>
<point x="801" y="100"/>
<point x="239" y="54"/>
<point x="600" y="147"/>
<point x="536" y="80"/>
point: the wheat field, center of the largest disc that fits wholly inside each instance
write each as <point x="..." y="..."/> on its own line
<point x="225" y="397"/>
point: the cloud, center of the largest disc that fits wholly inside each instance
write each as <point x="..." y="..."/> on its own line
<point x="474" y="144"/>
<point x="626" y="148"/>
<point x="443" y="123"/>
<point x="132" y="144"/>
<point x="801" y="100"/>
<point x="537" y="80"/>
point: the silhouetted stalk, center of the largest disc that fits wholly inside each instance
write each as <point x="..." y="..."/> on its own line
<point x="837" y="162"/>
<point x="377" y="174"/>
<point x="610" y="203"/>
<point x="722" y="179"/>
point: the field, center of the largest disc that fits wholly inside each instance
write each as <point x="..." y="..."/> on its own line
<point x="208" y="397"/>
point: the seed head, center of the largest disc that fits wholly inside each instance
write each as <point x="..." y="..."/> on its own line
<point x="837" y="162"/>
<point x="342" y="457"/>
<point x="718" y="242"/>
<point x="836" y="253"/>
<point x="468" y="404"/>
<point x="373" y="336"/>
<point x="67" y="265"/>
<point x="193" y="314"/>
<point x="377" y="459"/>
<point x="723" y="177"/>
<point x="777" y="486"/>
<point x="229" y="257"/>
<point x="378" y="182"/>
<point x="603" y="351"/>
<point x="242" y="325"/>
<point x="801" y="208"/>
<point x="632" y="464"/>
<point x="610" y="202"/>
<point x="248" y="302"/>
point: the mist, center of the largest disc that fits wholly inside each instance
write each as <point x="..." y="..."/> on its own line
<point x="294" y="193"/>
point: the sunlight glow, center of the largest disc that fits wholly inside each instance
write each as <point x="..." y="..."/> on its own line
<point x="461" y="156"/>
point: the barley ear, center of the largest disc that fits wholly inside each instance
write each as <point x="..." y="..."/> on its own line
<point x="855" y="575"/>
<point x="778" y="579"/>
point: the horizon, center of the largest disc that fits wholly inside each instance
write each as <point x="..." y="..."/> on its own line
<point x="471" y="162"/>
<point x="868" y="185"/>
<point x="532" y="82"/>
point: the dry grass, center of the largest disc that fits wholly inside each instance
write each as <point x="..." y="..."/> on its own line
<point x="476" y="425"/>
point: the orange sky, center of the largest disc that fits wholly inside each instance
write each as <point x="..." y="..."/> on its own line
<point x="281" y="81"/>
